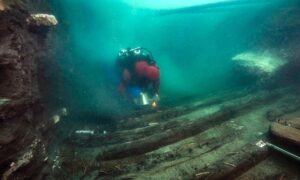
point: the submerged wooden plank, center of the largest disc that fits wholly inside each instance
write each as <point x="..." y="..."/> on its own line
<point x="182" y="147"/>
<point x="174" y="155"/>
<point x="286" y="132"/>
<point x="240" y="106"/>
<point x="184" y="130"/>
<point x="155" y="141"/>
<point x="184" y="166"/>
<point x="273" y="167"/>
<point x="295" y="123"/>
<point x="233" y="166"/>
<point x="165" y="114"/>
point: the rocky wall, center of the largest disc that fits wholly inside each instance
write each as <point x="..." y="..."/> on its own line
<point x="24" y="131"/>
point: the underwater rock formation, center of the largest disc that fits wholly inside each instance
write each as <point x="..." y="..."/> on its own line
<point x="263" y="63"/>
<point x="24" y="133"/>
<point x="259" y="66"/>
<point x="42" y="20"/>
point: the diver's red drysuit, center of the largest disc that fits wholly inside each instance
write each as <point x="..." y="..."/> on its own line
<point x="137" y="70"/>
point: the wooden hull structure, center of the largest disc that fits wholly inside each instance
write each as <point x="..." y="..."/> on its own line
<point x="215" y="138"/>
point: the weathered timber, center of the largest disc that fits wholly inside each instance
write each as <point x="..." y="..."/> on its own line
<point x="185" y="130"/>
<point x="233" y="166"/>
<point x="164" y="114"/>
<point x="179" y="153"/>
<point x="159" y="125"/>
<point x="295" y="123"/>
<point x="286" y="132"/>
<point x="157" y="140"/>
<point x="273" y="167"/>
<point x="183" y="158"/>
<point x="290" y="105"/>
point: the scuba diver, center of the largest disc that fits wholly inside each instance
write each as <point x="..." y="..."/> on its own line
<point x="140" y="76"/>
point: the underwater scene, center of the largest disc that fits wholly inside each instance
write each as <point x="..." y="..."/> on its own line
<point x="149" y="89"/>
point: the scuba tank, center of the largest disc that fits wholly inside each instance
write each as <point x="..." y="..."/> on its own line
<point x="138" y="51"/>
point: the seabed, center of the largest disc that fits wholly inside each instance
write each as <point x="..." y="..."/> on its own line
<point x="214" y="138"/>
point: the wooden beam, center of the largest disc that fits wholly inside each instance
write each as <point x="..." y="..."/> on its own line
<point x="181" y="127"/>
<point x="286" y="132"/>
<point x="233" y="166"/>
<point x="295" y="123"/>
<point x="184" y="130"/>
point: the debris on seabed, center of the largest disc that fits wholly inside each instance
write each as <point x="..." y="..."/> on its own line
<point x="230" y="164"/>
<point x="202" y="174"/>
<point x="3" y="101"/>
<point x="85" y="132"/>
<point x="153" y="124"/>
<point x="56" y="118"/>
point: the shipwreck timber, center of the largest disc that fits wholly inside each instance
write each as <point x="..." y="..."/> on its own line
<point x="213" y="138"/>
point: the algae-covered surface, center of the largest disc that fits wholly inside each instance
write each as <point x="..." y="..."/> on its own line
<point x="190" y="155"/>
